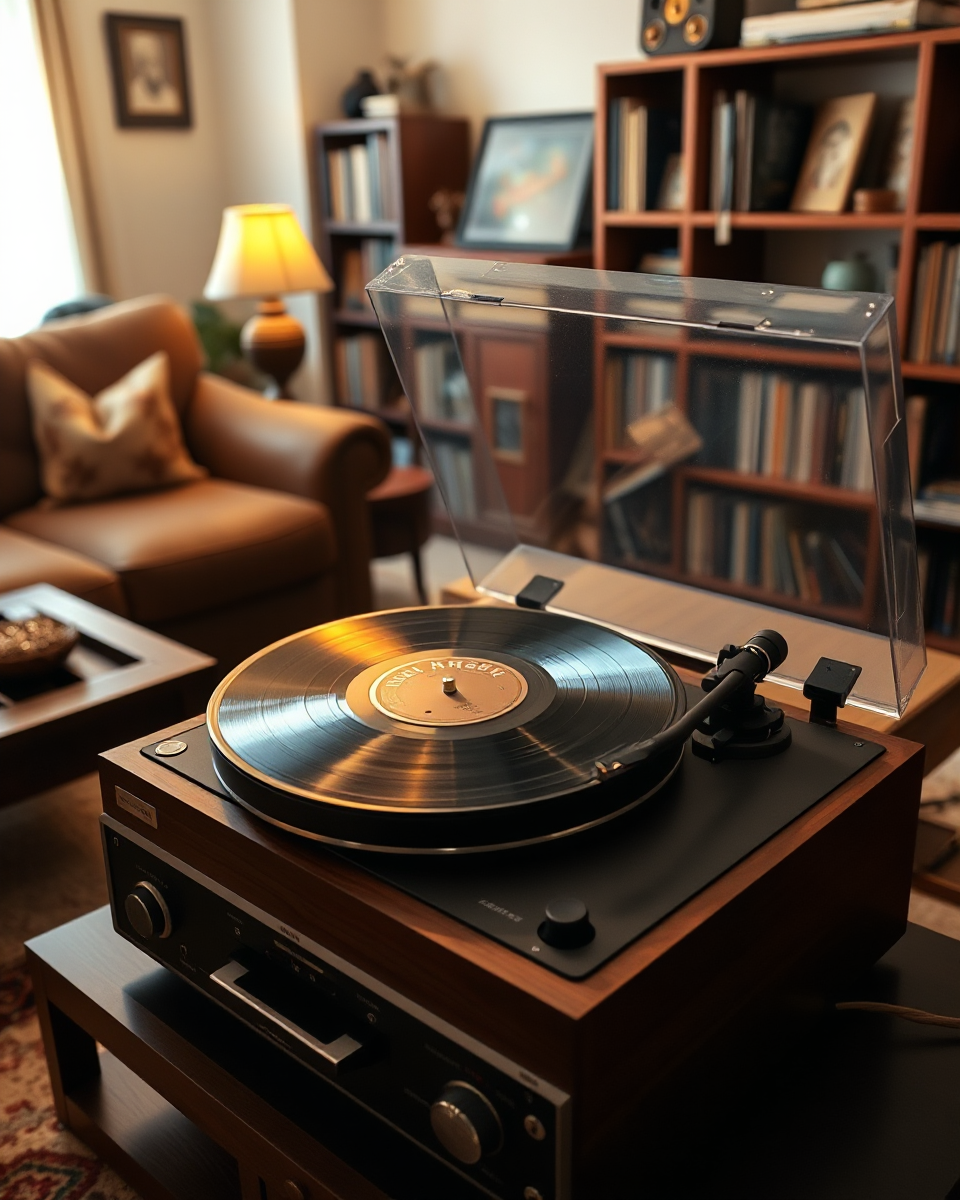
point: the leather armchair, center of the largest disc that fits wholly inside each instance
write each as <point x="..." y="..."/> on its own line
<point x="283" y="445"/>
<point x="278" y="538"/>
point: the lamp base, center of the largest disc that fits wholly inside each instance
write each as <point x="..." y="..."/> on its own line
<point x="274" y="342"/>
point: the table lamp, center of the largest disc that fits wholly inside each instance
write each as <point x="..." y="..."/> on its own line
<point x="263" y="252"/>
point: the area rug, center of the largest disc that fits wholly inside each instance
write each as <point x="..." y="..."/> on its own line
<point x="39" y="1159"/>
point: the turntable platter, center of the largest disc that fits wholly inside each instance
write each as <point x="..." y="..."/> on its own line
<point x="425" y="730"/>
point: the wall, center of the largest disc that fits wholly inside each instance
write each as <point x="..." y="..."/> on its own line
<point x="157" y="192"/>
<point x="263" y="72"/>
<point x="514" y="56"/>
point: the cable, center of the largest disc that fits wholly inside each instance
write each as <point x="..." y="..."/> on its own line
<point x="919" y="1015"/>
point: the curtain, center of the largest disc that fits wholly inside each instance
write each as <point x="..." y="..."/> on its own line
<point x="61" y="88"/>
<point x="39" y="263"/>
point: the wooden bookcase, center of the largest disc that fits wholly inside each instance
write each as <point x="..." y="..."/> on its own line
<point x="425" y="152"/>
<point x="788" y="247"/>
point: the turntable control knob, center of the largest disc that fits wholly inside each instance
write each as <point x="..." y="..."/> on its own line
<point x="147" y="911"/>
<point x="466" y="1123"/>
<point x="566" y="924"/>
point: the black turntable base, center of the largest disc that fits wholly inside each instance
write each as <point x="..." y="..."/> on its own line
<point x="629" y="873"/>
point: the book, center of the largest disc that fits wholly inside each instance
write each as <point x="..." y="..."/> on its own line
<point x="358" y="178"/>
<point x="664" y="262"/>
<point x="614" y="111"/>
<point x="846" y="20"/>
<point x="723" y="147"/>
<point x="662" y="144"/>
<point x="662" y="439"/>
<point x="779" y="142"/>
<point x="935" y="328"/>
<point x="916" y="417"/>
<point x="745" y="109"/>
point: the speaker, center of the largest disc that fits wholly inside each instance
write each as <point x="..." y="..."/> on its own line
<point x="678" y="26"/>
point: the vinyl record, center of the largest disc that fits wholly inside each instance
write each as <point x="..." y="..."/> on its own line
<point x="430" y="730"/>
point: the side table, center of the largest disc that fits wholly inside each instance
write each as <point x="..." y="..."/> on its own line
<point x="120" y="681"/>
<point x="400" y="516"/>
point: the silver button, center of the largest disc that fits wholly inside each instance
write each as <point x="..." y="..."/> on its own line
<point x="169" y="749"/>
<point x="534" y="1127"/>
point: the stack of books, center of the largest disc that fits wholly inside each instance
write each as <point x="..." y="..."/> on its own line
<point x="359" y="181"/>
<point x="443" y="393"/>
<point x="935" y="333"/>
<point x="756" y="152"/>
<point x="762" y="544"/>
<point x="358" y="265"/>
<point x="358" y="367"/>
<point x="639" y="142"/>
<point x="820" y="19"/>
<point x="771" y="424"/>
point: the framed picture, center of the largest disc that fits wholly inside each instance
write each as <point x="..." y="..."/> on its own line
<point x="149" y="64"/>
<point x="834" y="154"/>
<point x="530" y="185"/>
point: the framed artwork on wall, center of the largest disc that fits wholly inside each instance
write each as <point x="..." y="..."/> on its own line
<point x="530" y="185"/>
<point x="149" y="64"/>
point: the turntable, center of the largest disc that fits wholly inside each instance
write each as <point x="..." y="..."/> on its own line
<point x="496" y="872"/>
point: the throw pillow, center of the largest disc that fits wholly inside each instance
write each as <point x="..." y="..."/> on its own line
<point x="125" y="439"/>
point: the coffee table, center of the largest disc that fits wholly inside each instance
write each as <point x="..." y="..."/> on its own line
<point x="119" y="682"/>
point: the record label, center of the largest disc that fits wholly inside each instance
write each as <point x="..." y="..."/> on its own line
<point x="445" y="690"/>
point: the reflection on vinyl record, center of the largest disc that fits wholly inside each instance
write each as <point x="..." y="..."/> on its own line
<point x="441" y="729"/>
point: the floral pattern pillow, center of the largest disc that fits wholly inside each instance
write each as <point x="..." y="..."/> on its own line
<point x="127" y="438"/>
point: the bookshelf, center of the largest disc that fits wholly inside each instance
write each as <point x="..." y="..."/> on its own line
<point x="782" y="247"/>
<point x="374" y="180"/>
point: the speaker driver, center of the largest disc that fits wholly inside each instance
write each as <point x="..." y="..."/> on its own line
<point x="695" y="30"/>
<point x="653" y="35"/>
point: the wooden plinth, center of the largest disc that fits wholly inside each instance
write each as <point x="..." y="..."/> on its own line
<point x="826" y="896"/>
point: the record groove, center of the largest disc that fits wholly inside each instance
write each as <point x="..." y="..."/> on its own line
<point x="299" y="739"/>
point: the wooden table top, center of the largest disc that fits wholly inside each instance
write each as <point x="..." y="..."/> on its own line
<point x="114" y="658"/>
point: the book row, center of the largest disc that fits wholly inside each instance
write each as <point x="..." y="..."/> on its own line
<point x="641" y="142"/>
<point x="360" y="181"/>
<point x="358" y="368"/>
<point x="940" y="590"/>
<point x="636" y="385"/>
<point x="360" y="264"/>
<point x="768" y="423"/>
<point x="453" y="463"/>
<point x="443" y="393"/>
<point x="935" y="332"/>
<point x="770" y="545"/>
<point x="757" y="148"/>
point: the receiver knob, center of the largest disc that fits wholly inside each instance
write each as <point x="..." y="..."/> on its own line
<point x="566" y="924"/>
<point x="466" y="1123"/>
<point x="147" y="911"/>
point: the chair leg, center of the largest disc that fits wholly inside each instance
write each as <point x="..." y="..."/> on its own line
<point x="418" y="574"/>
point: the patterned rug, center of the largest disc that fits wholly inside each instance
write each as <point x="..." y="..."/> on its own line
<point x="39" y="1160"/>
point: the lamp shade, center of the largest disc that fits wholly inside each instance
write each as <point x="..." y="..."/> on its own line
<point x="262" y="251"/>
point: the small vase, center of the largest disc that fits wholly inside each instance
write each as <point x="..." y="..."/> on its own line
<point x="849" y="275"/>
<point x="363" y="85"/>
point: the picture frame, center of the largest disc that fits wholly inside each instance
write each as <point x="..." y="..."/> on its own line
<point x="148" y="62"/>
<point x="835" y="150"/>
<point x="530" y="185"/>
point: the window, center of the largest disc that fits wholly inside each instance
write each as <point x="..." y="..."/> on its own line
<point x="39" y="264"/>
